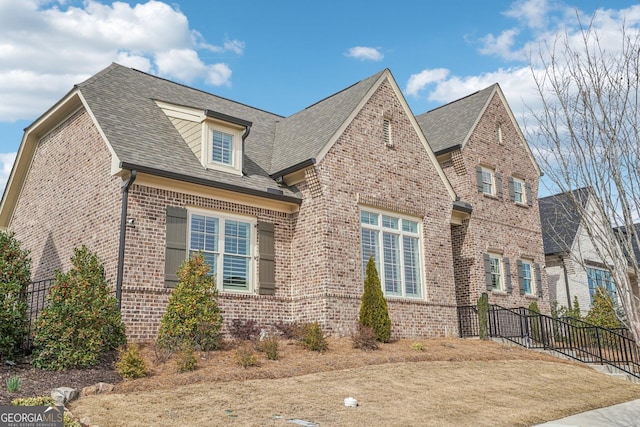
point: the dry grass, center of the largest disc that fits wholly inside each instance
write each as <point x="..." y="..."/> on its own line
<point x="452" y="382"/>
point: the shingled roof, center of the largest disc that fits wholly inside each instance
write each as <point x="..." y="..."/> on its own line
<point x="450" y="125"/>
<point x="560" y="220"/>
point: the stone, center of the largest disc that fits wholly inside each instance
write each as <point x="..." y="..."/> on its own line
<point x="62" y="395"/>
<point x="97" y="388"/>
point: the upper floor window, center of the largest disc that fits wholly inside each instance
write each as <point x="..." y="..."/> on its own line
<point x="223" y="148"/>
<point x="487" y="180"/>
<point x="519" y="195"/>
<point x="227" y="244"/>
<point x="495" y="274"/>
<point x="527" y="277"/>
<point x="395" y="244"/>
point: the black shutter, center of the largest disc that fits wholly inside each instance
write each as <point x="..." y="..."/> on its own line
<point x="499" y="185"/>
<point x="539" y="280"/>
<point x="520" y="277"/>
<point x="512" y="191"/>
<point x="176" y="244"/>
<point x="266" y="266"/>
<point x="507" y="274"/>
<point x="527" y="187"/>
<point x="479" y="179"/>
<point x="487" y="272"/>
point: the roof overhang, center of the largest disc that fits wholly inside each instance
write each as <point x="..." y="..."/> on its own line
<point x="460" y="212"/>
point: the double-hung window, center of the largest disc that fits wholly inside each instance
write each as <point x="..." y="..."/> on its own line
<point x="527" y="277"/>
<point x="519" y="195"/>
<point x="226" y="243"/>
<point x="600" y="278"/>
<point x="223" y="147"/>
<point x="395" y="243"/>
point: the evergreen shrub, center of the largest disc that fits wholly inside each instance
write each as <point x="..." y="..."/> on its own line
<point x="373" y="307"/>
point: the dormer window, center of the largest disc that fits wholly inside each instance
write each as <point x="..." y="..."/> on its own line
<point x="223" y="137"/>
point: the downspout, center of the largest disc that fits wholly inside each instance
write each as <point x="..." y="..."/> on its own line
<point x="244" y="136"/>
<point x="123" y="233"/>
<point x="566" y="281"/>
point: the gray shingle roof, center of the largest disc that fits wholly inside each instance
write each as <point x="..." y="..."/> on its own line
<point x="123" y="103"/>
<point x="303" y="135"/>
<point x="448" y="126"/>
<point x="560" y="220"/>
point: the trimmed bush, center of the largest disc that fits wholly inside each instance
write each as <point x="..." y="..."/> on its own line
<point x="246" y="356"/>
<point x="364" y="338"/>
<point x="373" y="307"/>
<point x="15" y="273"/>
<point x="81" y="321"/>
<point x="313" y="338"/>
<point x="269" y="346"/>
<point x="193" y="316"/>
<point x="131" y="364"/>
<point x="33" y="401"/>
<point x="483" y="316"/>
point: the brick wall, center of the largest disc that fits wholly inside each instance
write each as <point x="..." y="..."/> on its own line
<point x="495" y="225"/>
<point x="69" y="198"/>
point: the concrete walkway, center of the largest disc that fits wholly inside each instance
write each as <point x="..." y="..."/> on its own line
<point x="622" y="415"/>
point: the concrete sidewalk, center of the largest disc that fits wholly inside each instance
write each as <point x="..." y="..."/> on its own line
<point x="622" y="415"/>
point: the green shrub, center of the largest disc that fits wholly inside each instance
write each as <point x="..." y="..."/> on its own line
<point x="193" y="316"/>
<point x="373" y="307"/>
<point x="81" y="321"/>
<point x="269" y="346"/>
<point x="13" y="383"/>
<point x="483" y="316"/>
<point x="364" y="338"/>
<point x="417" y="346"/>
<point x="33" y="401"/>
<point x="15" y="273"/>
<point x="131" y="364"/>
<point x="313" y="338"/>
<point x="603" y="310"/>
<point x="187" y="359"/>
<point x="246" y="355"/>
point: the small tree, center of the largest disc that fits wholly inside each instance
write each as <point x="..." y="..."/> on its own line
<point x="483" y="316"/>
<point x="193" y="317"/>
<point x="15" y="273"/>
<point x="603" y="310"/>
<point x="373" y="307"/>
<point x="81" y="321"/>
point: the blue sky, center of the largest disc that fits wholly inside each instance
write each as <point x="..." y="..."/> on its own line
<point x="281" y="55"/>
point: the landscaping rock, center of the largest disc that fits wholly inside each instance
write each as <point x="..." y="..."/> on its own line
<point x="62" y="395"/>
<point x="98" y="388"/>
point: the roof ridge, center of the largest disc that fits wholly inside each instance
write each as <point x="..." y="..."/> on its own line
<point x="344" y="90"/>
<point x="459" y="99"/>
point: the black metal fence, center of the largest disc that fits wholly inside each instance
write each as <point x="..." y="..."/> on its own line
<point x="36" y="298"/>
<point x="574" y="338"/>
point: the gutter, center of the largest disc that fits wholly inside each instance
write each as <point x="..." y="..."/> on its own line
<point x="448" y="150"/>
<point x="214" y="184"/>
<point x="566" y="281"/>
<point x="291" y="169"/>
<point x="123" y="233"/>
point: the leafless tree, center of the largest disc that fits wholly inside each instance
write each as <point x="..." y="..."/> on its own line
<point x="586" y="134"/>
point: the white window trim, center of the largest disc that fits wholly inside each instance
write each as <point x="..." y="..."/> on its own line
<point x="380" y="262"/>
<point x="532" y="282"/>
<point x="492" y="172"/>
<point x="208" y="126"/>
<point x="501" y="284"/>
<point x="253" y="247"/>
<point x="523" y="192"/>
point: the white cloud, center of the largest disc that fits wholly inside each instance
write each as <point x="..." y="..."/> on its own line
<point x="531" y="13"/>
<point x="365" y="53"/>
<point x="417" y="82"/>
<point x="48" y="46"/>
<point x="6" y="163"/>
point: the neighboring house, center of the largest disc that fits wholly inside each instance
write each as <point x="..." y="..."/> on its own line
<point x="498" y="249"/>
<point x="286" y="210"/>
<point x="573" y="267"/>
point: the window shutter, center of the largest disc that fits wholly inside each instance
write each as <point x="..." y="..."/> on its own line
<point x="538" y="280"/>
<point x="479" y="178"/>
<point x="512" y="192"/>
<point x="176" y="244"/>
<point x="487" y="271"/>
<point x="266" y="266"/>
<point x="520" y="277"/>
<point x="507" y="274"/>
<point x="499" y="185"/>
<point x="527" y="187"/>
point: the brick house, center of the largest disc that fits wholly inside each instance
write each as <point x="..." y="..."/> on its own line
<point x="498" y="249"/>
<point x="287" y="210"/>
<point x="574" y="267"/>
